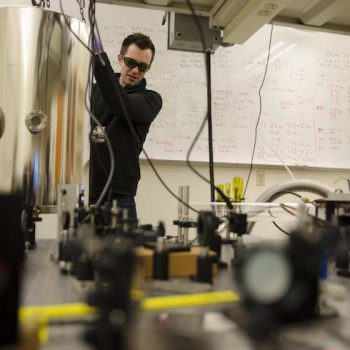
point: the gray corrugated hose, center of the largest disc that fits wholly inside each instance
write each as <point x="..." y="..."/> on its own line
<point x="303" y="185"/>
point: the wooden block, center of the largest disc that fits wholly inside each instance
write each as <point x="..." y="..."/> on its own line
<point x="29" y="338"/>
<point x="181" y="264"/>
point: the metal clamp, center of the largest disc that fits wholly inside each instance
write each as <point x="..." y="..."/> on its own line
<point x="97" y="135"/>
<point x="41" y="3"/>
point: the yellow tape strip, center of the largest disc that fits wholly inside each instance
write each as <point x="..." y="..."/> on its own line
<point x="44" y="313"/>
<point x="189" y="300"/>
<point x="50" y="312"/>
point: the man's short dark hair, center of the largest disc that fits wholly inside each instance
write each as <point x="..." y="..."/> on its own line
<point x="142" y="41"/>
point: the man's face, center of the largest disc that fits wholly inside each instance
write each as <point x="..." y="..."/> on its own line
<point x="133" y="75"/>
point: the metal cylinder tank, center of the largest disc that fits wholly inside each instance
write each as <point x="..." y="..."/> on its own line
<point x="43" y="121"/>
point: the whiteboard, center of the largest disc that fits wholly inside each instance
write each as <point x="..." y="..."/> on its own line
<point x="305" y="99"/>
<point x="305" y="117"/>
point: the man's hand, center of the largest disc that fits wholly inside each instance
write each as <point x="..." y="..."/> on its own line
<point x="96" y="44"/>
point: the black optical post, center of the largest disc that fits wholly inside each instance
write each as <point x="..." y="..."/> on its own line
<point x="210" y="128"/>
<point x="11" y="259"/>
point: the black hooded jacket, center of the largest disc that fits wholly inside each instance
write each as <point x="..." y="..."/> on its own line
<point x="142" y="106"/>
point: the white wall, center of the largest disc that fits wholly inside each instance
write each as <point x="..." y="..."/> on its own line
<point x="154" y="203"/>
<point x="47" y="228"/>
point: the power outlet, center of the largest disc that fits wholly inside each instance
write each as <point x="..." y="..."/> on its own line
<point x="260" y="178"/>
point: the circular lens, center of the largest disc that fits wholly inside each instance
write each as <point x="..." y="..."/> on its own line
<point x="267" y="276"/>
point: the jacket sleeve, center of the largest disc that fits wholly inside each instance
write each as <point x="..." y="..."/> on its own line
<point x="142" y="107"/>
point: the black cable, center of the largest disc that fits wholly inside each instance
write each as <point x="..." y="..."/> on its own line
<point x="125" y="112"/>
<point x="95" y="150"/>
<point x="188" y="162"/>
<point x="127" y="117"/>
<point x="88" y="92"/>
<point x="93" y="25"/>
<point x="210" y="129"/>
<point x="108" y="186"/>
<point x="92" y="21"/>
<point x="260" y="110"/>
<point x="284" y="207"/>
<point x="164" y="17"/>
<point x="274" y="223"/>
<point x="133" y="131"/>
<point x="318" y="220"/>
<point x="281" y="229"/>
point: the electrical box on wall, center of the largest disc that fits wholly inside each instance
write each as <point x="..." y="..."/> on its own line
<point x="183" y="33"/>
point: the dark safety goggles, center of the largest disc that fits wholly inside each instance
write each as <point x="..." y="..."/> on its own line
<point x="131" y="63"/>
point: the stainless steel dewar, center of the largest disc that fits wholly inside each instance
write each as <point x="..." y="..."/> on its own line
<point x="43" y="120"/>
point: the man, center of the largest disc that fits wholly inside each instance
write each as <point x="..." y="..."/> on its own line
<point x="142" y="106"/>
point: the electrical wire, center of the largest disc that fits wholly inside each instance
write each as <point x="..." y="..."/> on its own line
<point x="281" y="229"/>
<point x="88" y="93"/>
<point x="93" y="25"/>
<point x="279" y="158"/>
<point x="260" y="111"/>
<point x="263" y="138"/>
<point x="87" y="106"/>
<point x="91" y="14"/>
<point x="320" y="222"/>
<point x="347" y="179"/>
<point x="188" y="155"/>
<point x="93" y="21"/>
<point x="288" y="208"/>
<point x="133" y="131"/>
<point x="275" y="223"/>
<point x="109" y="147"/>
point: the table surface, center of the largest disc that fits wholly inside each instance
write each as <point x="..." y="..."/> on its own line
<point x="43" y="284"/>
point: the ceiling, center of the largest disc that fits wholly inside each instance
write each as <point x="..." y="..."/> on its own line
<point x="239" y="19"/>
